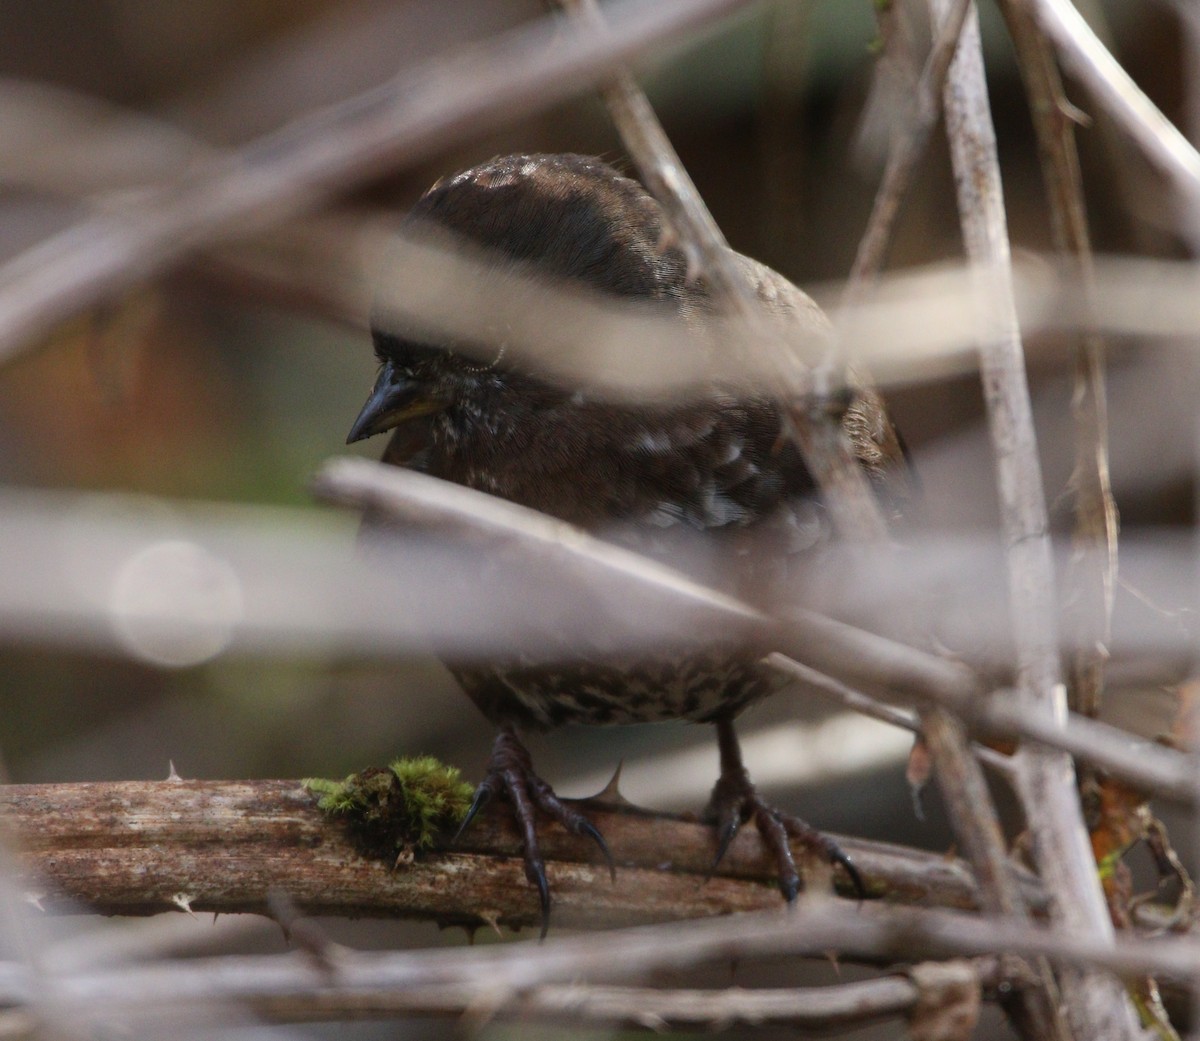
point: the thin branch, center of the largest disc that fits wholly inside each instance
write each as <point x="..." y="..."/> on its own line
<point x="141" y="847"/>
<point x="1093" y="573"/>
<point x="297" y="168"/>
<point x="1085" y="56"/>
<point x="874" y="932"/>
<point x="830" y="646"/>
<point x="873" y="708"/>
<point x="1096" y="1004"/>
<point x="747" y="290"/>
<point x="478" y="1002"/>
<point x="299" y="587"/>
<point x="908" y="145"/>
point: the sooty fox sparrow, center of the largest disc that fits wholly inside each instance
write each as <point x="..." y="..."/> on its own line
<point x="716" y="463"/>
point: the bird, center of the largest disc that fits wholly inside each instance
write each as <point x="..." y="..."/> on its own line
<point x="715" y="463"/>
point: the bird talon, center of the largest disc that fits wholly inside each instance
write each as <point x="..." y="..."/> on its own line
<point x="726" y="833"/>
<point x="483" y="795"/>
<point x="587" y="828"/>
<point x="790" y="888"/>
<point x="851" y="869"/>
<point x="535" y="872"/>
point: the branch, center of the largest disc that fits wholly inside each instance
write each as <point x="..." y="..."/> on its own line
<point x="875" y="932"/>
<point x="908" y="145"/>
<point x="297" y="168"/>
<point x="1093" y="572"/>
<point x="1096" y="1005"/>
<point x="144" y="847"/>
<point x="1086" y="56"/>
<point x="747" y="292"/>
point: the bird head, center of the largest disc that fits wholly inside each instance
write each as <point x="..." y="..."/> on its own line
<point x="569" y="219"/>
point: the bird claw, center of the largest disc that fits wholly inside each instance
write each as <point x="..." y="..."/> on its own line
<point x="726" y="832"/>
<point x="511" y="772"/>
<point x="586" y="827"/>
<point x="735" y="800"/>
<point x="483" y="795"/>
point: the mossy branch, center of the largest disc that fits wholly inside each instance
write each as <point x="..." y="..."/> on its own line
<point x="144" y="847"/>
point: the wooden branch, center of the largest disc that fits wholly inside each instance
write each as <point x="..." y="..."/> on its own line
<point x="1093" y="570"/>
<point x="1096" y="1004"/>
<point x="146" y="847"/>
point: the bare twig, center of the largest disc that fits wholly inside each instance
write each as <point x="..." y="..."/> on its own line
<point x="874" y="709"/>
<point x="965" y="794"/>
<point x="1086" y="56"/>
<point x="297" y="168"/>
<point x="875" y="932"/>
<point x="908" y="145"/>
<point x="1096" y="1004"/>
<point x="299" y="585"/>
<point x="744" y="289"/>
<point x="1094" y="571"/>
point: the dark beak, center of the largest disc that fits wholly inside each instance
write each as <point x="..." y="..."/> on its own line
<point x="393" y="399"/>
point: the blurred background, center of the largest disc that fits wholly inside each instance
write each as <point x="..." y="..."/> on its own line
<point x="205" y="387"/>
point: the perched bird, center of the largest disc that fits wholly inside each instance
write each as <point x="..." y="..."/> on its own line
<point x="716" y="463"/>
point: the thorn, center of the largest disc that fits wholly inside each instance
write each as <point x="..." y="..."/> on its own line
<point x="308" y="937"/>
<point x="172" y="775"/>
<point x="667" y="240"/>
<point x="184" y="902"/>
<point x="610" y="794"/>
<point x="490" y="918"/>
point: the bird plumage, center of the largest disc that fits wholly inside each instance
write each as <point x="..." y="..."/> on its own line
<point x="653" y="475"/>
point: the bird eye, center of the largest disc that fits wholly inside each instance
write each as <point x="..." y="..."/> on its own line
<point x="472" y="363"/>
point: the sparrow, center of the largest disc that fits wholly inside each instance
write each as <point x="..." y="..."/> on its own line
<point x="716" y="463"/>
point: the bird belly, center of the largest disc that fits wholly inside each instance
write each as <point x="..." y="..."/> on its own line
<point x="695" y="687"/>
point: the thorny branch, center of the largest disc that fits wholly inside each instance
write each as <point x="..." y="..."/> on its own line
<point x="141" y="847"/>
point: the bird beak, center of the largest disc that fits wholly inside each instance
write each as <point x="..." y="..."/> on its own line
<point x="393" y="399"/>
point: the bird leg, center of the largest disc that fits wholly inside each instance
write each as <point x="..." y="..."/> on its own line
<point x="735" y="800"/>
<point x="510" y="772"/>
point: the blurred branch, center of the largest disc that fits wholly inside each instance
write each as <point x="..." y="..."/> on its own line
<point x="967" y="798"/>
<point x="743" y="289"/>
<point x="280" y="581"/>
<point x="907" y="146"/>
<point x="916" y="325"/>
<point x="141" y="848"/>
<point x="1086" y="57"/>
<point x="1093" y="572"/>
<point x="297" y="168"/>
<point x="875" y="932"/>
<point x="620" y="1008"/>
<point x="1095" y="1004"/>
<point x="354" y="989"/>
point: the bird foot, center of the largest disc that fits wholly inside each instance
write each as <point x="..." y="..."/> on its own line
<point x="735" y="800"/>
<point x="510" y="772"/>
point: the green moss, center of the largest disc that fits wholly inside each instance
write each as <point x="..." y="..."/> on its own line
<point x="402" y="807"/>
